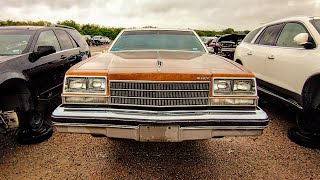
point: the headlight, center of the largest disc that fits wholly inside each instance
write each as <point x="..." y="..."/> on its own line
<point x="85" y="85"/>
<point x="76" y="84"/>
<point x="222" y="86"/>
<point x="97" y="85"/>
<point x="234" y="87"/>
<point x="244" y="87"/>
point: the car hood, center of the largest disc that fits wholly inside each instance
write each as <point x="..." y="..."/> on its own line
<point x="159" y="65"/>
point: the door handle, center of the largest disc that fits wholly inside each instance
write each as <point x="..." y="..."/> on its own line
<point x="63" y="57"/>
<point x="271" y="57"/>
<point x="249" y="53"/>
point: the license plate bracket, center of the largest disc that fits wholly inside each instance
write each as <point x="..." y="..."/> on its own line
<point x="152" y="133"/>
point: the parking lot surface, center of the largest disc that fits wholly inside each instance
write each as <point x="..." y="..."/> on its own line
<point x="74" y="156"/>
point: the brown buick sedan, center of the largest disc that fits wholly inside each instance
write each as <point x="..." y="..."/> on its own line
<point x="159" y="85"/>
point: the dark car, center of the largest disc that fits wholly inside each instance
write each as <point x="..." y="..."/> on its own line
<point x="228" y="44"/>
<point x="33" y="61"/>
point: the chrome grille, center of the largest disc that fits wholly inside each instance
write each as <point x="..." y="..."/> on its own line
<point x="161" y="94"/>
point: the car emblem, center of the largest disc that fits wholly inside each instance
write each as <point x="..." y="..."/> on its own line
<point x="203" y="78"/>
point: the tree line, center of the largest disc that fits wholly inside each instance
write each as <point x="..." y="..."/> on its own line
<point x="111" y="32"/>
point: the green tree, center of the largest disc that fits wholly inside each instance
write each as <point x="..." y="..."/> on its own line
<point x="228" y="31"/>
<point x="70" y="23"/>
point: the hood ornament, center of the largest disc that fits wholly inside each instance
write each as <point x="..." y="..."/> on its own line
<point x="159" y="64"/>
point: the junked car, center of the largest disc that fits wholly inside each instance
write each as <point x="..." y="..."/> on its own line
<point x="101" y="40"/>
<point x="33" y="61"/>
<point x="159" y="85"/>
<point x="228" y="44"/>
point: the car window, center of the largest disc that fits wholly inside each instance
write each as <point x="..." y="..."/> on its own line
<point x="289" y="31"/>
<point x="64" y="39"/>
<point x="78" y="38"/>
<point x="158" y="39"/>
<point x="269" y="36"/>
<point x="14" y="42"/>
<point x="316" y="24"/>
<point x="48" y="38"/>
<point x="74" y="43"/>
<point x="249" y="37"/>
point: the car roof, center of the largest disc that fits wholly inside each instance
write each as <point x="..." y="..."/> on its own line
<point x="34" y="27"/>
<point x="293" y="18"/>
<point x="22" y="27"/>
<point x="156" y="29"/>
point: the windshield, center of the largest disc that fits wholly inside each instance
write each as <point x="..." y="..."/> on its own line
<point x="316" y="24"/>
<point x="158" y="40"/>
<point x="13" y="42"/>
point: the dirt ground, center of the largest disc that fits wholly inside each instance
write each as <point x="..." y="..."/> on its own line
<point x="74" y="156"/>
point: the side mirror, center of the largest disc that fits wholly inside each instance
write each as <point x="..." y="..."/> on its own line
<point x="303" y="40"/>
<point x="41" y="51"/>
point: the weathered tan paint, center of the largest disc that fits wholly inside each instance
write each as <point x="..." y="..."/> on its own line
<point x="142" y="65"/>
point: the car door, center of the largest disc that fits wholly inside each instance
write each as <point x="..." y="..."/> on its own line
<point x="41" y="73"/>
<point x="70" y="54"/>
<point x="256" y="54"/>
<point x="285" y="66"/>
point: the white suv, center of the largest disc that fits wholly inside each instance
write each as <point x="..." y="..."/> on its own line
<point x="285" y="57"/>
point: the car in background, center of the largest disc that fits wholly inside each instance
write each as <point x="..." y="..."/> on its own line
<point x="33" y="61"/>
<point x="214" y="46"/>
<point x="88" y="39"/>
<point x="101" y="40"/>
<point x="284" y="56"/>
<point x="206" y="39"/>
<point x="159" y="85"/>
<point x="228" y="44"/>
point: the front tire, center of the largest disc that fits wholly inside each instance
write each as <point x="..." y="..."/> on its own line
<point x="308" y="132"/>
<point x="34" y="129"/>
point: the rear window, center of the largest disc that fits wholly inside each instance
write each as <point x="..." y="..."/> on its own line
<point x="158" y="40"/>
<point x="14" y="42"/>
<point x="249" y="37"/>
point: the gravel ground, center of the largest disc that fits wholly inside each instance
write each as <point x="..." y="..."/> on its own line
<point x="73" y="156"/>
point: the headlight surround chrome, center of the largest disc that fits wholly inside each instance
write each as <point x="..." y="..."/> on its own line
<point x="91" y="85"/>
<point x="234" y="86"/>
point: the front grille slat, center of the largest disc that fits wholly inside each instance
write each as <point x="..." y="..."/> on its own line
<point x="159" y="94"/>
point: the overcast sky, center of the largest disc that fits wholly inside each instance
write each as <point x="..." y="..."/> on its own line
<point x="195" y="14"/>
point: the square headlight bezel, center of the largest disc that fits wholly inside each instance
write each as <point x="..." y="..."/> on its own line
<point x="87" y="90"/>
<point x="236" y="93"/>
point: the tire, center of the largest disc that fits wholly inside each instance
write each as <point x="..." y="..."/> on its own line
<point x="308" y="132"/>
<point x="29" y="136"/>
<point x="34" y="129"/>
<point x="31" y="119"/>
<point x="306" y="140"/>
<point x="309" y="120"/>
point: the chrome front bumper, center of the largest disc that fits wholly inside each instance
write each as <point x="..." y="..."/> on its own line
<point x="172" y="126"/>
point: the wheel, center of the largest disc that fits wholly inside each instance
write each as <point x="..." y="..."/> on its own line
<point x="34" y="129"/>
<point x="308" y="132"/>
<point x="306" y="140"/>
<point x="309" y="120"/>
<point x="29" y="136"/>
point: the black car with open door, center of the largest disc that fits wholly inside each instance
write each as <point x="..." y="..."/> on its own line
<point x="33" y="61"/>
